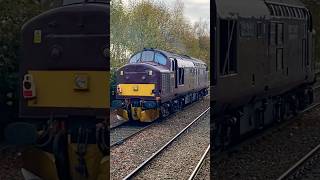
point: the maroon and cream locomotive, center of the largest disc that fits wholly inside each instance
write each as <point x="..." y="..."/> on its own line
<point x="156" y="83"/>
<point x="263" y="65"/>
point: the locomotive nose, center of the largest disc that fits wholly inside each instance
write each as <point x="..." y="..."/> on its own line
<point x="137" y="80"/>
<point x="137" y="74"/>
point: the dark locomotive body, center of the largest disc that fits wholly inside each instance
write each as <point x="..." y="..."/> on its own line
<point x="63" y="35"/>
<point x="64" y="100"/>
<point x="263" y="65"/>
<point x="157" y="82"/>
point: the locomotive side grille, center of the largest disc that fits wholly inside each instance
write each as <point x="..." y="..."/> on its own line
<point x="165" y="82"/>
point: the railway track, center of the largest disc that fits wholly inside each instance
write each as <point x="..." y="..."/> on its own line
<point x="164" y="147"/>
<point x="125" y="130"/>
<point x="298" y="170"/>
<point x="199" y="165"/>
<point x="220" y="154"/>
<point x="117" y="125"/>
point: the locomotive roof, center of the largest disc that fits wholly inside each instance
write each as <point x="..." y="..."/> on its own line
<point x="249" y="8"/>
<point x="69" y="2"/>
<point x="288" y="2"/>
<point x="181" y="57"/>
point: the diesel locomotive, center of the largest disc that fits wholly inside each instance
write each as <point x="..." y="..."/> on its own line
<point x="64" y="102"/>
<point x="156" y="83"/>
<point x="263" y="65"/>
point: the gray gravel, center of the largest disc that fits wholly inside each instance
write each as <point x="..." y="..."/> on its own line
<point x="135" y="150"/>
<point x="10" y="163"/>
<point x="181" y="157"/>
<point x="270" y="156"/>
<point x="122" y="132"/>
<point x="309" y="170"/>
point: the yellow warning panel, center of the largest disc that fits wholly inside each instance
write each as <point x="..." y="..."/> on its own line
<point x="71" y="89"/>
<point x="136" y="89"/>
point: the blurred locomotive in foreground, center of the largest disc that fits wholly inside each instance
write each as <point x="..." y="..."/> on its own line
<point x="263" y="65"/>
<point x="155" y="83"/>
<point x="64" y="100"/>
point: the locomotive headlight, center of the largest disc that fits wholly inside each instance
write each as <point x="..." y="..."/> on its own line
<point x="150" y="73"/>
<point x="121" y="73"/>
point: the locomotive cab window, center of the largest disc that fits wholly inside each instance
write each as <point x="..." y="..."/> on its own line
<point x="180" y="76"/>
<point x="135" y="58"/>
<point x="159" y="58"/>
<point x="149" y="56"/>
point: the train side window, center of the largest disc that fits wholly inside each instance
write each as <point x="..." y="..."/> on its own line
<point x="279" y="59"/>
<point x="247" y="29"/>
<point x="159" y="58"/>
<point x="228" y="46"/>
<point x="172" y="64"/>
<point x="181" y="76"/>
<point x="280" y="34"/>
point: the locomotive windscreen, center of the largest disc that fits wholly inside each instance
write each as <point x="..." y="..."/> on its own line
<point x="149" y="56"/>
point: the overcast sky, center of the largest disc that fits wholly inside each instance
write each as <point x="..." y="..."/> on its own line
<point x="193" y="9"/>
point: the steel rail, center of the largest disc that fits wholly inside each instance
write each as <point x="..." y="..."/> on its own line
<point x="129" y="136"/>
<point x="199" y="165"/>
<point x="118" y="125"/>
<point x="219" y="154"/>
<point x="293" y="168"/>
<point x="143" y="164"/>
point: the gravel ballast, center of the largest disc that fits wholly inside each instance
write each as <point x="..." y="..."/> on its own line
<point x="270" y="156"/>
<point x="180" y="158"/>
<point x="10" y="164"/>
<point x="127" y="156"/>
